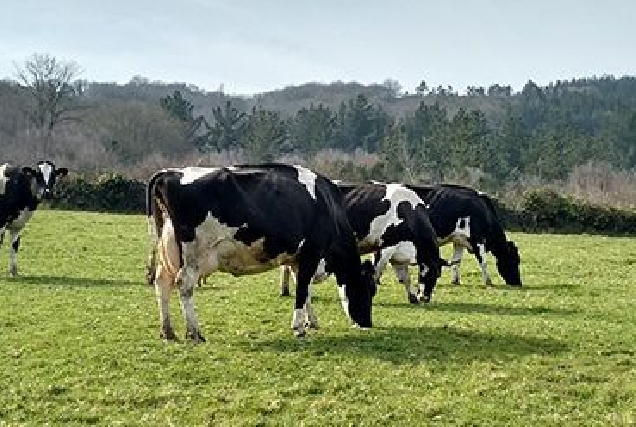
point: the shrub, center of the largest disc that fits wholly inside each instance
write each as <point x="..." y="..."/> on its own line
<point x="554" y="212"/>
<point x="109" y="192"/>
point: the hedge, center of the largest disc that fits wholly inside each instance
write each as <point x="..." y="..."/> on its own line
<point x="107" y="193"/>
<point x="539" y="209"/>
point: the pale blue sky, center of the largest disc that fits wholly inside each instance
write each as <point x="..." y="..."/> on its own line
<point x="261" y="45"/>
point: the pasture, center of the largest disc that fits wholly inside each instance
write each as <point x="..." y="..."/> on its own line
<point x="79" y="341"/>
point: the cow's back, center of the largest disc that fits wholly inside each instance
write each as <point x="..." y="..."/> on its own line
<point x="447" y="203"/>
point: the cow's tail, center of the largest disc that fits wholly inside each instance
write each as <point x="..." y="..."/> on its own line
<point x="155" y="210"/>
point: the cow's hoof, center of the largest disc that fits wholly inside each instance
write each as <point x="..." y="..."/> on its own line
<point x="311" y="325"/>
<point x="425" y="298"/>
<point x="300" y="332"/>
<point x="455" y="282"/>
<point x="13" y="271"/>
<point x="362" y="328"/>
<point x="284" y="293"/>
<point x="195" y="336"/>
<point x="168" y="334"/>
<point x="413" y="299"/>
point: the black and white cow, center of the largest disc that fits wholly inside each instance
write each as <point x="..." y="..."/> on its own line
<point x="245" y="220"/>
<point x="467" y="218"/>
<point x="391" y="219"/>
<point x="21" y="190"/>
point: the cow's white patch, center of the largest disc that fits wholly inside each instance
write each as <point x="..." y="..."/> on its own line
<point x="402" y="273"/>
<point x="395" y="194"/>
<point x="215" y="248"/>
<point x="3" y="178"/>
<point x="298" y="320"/>
<point x="168" y="249"/>
<point x="47" y="171"/>
<point x="343" y="299"/>
<point x="321" y="272"/>
<point x="423" y="271"/>
<point x="404" y="253"/>
<point x="455" y="261"/>
<point x="307" y="178"/>
<point x="300" y="245"/>
<point x="460" y="235"/>
<point x="481" y="193"/>
<point x="482" y="264"/>
<point x="192" y="173"/>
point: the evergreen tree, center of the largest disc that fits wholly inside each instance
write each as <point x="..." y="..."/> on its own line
<point x="228" y="129"/>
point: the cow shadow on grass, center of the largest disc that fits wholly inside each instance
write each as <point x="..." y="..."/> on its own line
<point x="479" y="308"/>
<point x="86" y="282"/>
<point x="463" y="307"/>
<point x="413" y="345"/>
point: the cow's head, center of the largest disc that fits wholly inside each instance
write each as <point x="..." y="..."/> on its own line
<point x="430" y="276"/>
<point x="43" y="178"/>
<point x="361" y="297"/>
<point x="508" y="264"/>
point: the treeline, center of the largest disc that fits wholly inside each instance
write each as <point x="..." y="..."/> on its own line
<point x="490" y="137"/>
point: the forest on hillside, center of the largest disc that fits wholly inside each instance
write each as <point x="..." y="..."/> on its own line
<point x="579" y="134"/>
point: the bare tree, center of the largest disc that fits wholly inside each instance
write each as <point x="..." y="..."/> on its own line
<point x="53" y="88"/>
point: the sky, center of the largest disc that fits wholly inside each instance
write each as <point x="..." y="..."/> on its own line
<point x="248" y="47"/>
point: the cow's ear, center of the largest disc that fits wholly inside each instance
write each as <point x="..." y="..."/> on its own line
<point x="29" y="171"/>
<point x="61" y="172"/>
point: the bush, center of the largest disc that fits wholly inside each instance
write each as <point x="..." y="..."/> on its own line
<point x="554" y="212"/>
<point x="107" y="193"/>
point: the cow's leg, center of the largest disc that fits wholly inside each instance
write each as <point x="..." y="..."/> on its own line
<point x="458" y="252"/>
<point x="306" y="269"/>
<point x="402" y="273"/>
<point x="163" y="286"/>
<point x="186" y="280"/>
<point x="312" y="319"/>
<point x="344" y="301"/>
<point x="285" y="273"/>
<point x="480" y="254"/>
<point x="13" y="253"/>
<point x="380" y="260"/>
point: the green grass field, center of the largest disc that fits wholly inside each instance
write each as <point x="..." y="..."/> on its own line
<point x="79" y="341"/>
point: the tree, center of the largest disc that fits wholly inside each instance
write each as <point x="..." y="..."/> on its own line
<point x="178" y="107"/>
<point x="311" y="130"/>
<point x="228" y="128"/>
<point x="359" y="125"/>
<point x="265" y="136"/>
<point x="422" y="88"/>
<point x="54" y="90"/>
<point x="182" y="110"/>
<point x="394" y="87"/>
<point x="421" y="144"/>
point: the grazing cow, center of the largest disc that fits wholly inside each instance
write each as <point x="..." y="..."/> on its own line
<point x="245" y="220"/>
<point x="391" y="219"/>
<point x="467" y="218"/>
<point x="21" y="190"/>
